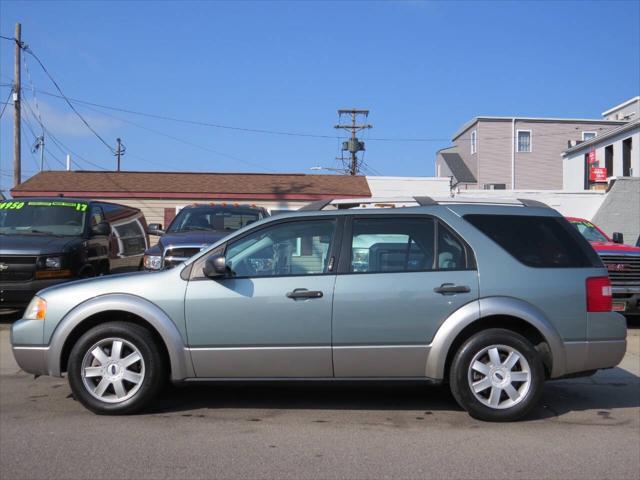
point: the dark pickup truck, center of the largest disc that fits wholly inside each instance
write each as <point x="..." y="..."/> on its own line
<point x="45" y="241"/>
<point x="196" y="227"/>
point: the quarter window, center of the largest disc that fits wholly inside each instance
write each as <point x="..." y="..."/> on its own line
<point x="588" y="135"/>
<point x="292" y="248"/>
<point x="451" y="253"/>
<point x="392" y="245"/>
<point x="541" y="242"/>
<point x="524" y="140"/>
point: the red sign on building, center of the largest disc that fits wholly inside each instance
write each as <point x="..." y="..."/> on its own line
<point x="592" y="157"/>
<point x="598" y="174"/>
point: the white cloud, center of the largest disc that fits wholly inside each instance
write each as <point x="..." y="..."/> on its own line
<point x="66" y="122"/>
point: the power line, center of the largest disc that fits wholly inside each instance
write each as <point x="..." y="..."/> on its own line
<point x="28" y="50"/>
<point x="4" y="107"/>
<point x="177" y="139"/>
<point x="196" y="122"/>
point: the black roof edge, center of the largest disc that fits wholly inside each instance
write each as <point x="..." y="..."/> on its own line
<point x="532" y="203"/>
<point x="425" y="201"/>
<point x="315" y="206"/>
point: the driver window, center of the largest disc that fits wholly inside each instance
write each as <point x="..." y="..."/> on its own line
<point x="292" y="248"/>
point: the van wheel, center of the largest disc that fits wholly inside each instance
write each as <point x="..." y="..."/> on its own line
<point x="116" y="368"/>
<point x="497" y="375"/>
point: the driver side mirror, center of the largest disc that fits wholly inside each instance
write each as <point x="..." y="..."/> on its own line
<point x="216" y="266"/>
<point x="102" y="228"/>
<point x="155" y="229"/>
<point x="618" y="237"/>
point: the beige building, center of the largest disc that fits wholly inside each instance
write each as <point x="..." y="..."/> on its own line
<point x="160" y="194"/>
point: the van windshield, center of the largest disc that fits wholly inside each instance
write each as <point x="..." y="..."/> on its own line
<point x="213" y="218"/>
<point x="42" y="217"/>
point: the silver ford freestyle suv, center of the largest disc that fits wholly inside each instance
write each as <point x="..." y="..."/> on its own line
<point x="490" y="298"/>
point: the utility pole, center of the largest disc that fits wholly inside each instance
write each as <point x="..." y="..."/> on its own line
<point x="17" y="177"/>
<point x="120" y="149"/>
<point x="353" y="145"/>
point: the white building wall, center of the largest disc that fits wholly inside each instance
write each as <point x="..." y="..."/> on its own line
<point x="573" y="165"/>
<point x="583" y="204"/>
<point x="408" y="186"/>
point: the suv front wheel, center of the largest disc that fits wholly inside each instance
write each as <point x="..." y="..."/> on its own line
<point x="115" y="368"/>
<point x="497" y="375"/>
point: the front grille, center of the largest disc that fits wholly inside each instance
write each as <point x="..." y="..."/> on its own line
<point x="17" y="268"/>
<point x="623" y="270"/>
<point x="177" y="255"/>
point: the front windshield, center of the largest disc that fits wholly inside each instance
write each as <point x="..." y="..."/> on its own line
<point x="589" y="231"/>
<point x="39" y="217"/>
<point x="213" y="218"/>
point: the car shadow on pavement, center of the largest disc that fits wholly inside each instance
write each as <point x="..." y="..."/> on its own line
<point x="307" y="396"/>
<point x="603" y="393"/>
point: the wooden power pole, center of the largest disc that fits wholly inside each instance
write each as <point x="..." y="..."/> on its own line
<point x="17" y="177"/>
<point x="120" y="149"/>
<point x="353" y="145"/>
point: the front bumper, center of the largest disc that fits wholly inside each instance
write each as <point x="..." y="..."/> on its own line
<point x="32" y="359"/>
<point x="17" y="295"/>
<point x="627" y="298"/>
<point x="27" y="345"/>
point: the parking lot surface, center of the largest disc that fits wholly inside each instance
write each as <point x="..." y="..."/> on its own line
<point x="583" y="428"/>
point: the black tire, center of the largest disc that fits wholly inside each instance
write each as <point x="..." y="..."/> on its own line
<point x="153" y="371"/>
<point x="460" y="373"/>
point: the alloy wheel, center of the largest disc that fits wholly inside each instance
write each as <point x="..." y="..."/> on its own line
<point x="499" y="376"/>
<point x="113" y="370"/>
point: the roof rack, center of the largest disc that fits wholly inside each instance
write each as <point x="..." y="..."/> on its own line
<point x="422" y="201"/>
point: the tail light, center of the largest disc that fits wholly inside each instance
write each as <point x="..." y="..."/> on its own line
<point x="599" y="294"/>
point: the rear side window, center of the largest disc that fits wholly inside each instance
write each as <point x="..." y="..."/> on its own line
<point x="540" y="242"/>
<point x="392" y="245"/>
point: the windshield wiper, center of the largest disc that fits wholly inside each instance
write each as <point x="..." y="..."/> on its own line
<point x="43" y="232"/>
<point x="187" y="229"/>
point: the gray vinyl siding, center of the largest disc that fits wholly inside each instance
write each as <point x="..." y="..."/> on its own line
<point x="540" y="169"/>
<point x="494" y="148"/>
<point x="463" y="147"/>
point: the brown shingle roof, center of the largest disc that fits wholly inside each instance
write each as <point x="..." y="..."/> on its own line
<point x="192" y="185"/>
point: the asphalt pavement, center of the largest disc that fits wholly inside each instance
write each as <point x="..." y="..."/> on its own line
<point x="584" y="428"/>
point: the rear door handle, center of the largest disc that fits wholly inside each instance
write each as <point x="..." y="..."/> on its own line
<point x="450" y="289"/>
<point x="304" y="293"/>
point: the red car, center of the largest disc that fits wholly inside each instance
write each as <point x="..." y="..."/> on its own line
<point x="622" y="262"/>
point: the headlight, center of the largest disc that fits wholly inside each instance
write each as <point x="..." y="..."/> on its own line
<point x="53" y="262"/>
<point x="152" y="262"/>
<point x="36" y="310"/>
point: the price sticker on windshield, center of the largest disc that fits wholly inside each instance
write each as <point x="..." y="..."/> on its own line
<point x="17" y="205"/>
<point x="11" y="205"/>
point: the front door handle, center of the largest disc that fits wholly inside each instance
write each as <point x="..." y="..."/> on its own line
<point x="304" y="293"/>
<point x="451" y="289"/>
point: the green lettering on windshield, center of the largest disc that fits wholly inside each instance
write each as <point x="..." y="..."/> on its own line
<point x="81" y="207"/>
<point x="11" y="205"/>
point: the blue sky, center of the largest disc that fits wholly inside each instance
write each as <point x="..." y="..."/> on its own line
<point x="422" y="68"/>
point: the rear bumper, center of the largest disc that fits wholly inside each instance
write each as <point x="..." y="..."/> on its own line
<point x="605" y="347"/>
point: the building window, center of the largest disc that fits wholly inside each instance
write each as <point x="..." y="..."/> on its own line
<point x="524" y="140"/>
<point x="474" y="142"/>
<point x="588" y="135"/>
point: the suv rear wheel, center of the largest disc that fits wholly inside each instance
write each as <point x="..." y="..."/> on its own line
<point x="115" y="368"/>
<point x="497" y="375"/>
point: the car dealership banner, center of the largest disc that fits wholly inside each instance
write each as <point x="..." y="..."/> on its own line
<point x="598" y="174"/>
